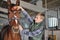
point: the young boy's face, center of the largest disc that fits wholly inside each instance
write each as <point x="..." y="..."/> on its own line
<point x="39" y="18"/>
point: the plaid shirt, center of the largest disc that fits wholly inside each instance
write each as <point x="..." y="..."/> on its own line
<point x="32" y="34"/>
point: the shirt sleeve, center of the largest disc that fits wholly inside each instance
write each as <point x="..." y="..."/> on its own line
<point x="27" y="16"/>
<point x="32" y="34"/>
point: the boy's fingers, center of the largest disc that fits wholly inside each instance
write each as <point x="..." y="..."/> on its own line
<point x="17" y="7"/>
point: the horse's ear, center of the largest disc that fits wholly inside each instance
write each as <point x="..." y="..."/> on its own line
<point x="17" y="2"/>
<point x="9" y="4"/>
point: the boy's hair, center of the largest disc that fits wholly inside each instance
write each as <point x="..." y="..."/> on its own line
<point x="42" y="14"/>
<point x="12" y="5"/>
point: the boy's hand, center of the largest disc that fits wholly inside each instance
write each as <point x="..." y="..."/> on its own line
<point x="17" y="7"/>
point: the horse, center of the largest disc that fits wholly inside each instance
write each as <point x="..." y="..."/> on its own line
<point x="12" y="31"/>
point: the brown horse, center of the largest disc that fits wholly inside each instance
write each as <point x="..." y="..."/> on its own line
<point x="13" y="30"/>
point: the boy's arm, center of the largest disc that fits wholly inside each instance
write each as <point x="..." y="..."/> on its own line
<point x="26" y="15"/>
<point x="34" y="33"/>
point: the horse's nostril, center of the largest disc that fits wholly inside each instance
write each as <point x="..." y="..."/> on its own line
<point x="15" y="29"/>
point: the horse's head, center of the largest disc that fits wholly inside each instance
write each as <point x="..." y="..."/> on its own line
<point x="14" y="17"/>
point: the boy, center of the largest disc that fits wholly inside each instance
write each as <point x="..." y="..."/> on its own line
<point x="35" y="29"/>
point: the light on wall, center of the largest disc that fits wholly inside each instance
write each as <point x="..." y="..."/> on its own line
<point x="52" y="22"/>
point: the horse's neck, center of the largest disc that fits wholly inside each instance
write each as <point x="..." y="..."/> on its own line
<point x="9" y="35"/>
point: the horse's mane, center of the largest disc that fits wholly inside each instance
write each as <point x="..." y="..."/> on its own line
<point x="4" y="30"/>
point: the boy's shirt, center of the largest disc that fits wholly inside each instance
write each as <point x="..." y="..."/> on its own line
<point x="36" y="27"/>
<point x="35" y="31"/>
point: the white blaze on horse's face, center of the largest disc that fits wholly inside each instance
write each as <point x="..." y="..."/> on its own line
<point x="16" y="19"/>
